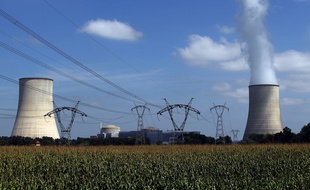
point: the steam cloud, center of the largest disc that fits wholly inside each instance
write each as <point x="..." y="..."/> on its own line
<point x="259" y="49"/>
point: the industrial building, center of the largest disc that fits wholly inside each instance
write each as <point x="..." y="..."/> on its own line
<point x="35" y="100"/>
<point x="264" y="110"/>
<point x="152" y="133"/>
<point x="109" y="131"/>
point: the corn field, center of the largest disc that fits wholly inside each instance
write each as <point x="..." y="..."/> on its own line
<point x="156" y="167"/>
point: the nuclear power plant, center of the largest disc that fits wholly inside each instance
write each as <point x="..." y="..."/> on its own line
<point x="35" y="100"/>
<point x="264" y="110"/>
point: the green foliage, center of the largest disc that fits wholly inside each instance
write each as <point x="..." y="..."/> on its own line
<point x="156" y="167"/>
<point x="285" y="136"/>
<point x="224" y="140"/>
<point x="194" y="138"/>
<point x="305" y="133"/>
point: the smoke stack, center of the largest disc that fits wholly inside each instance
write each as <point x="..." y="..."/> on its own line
<point x="264" y="110"/>
<point x="35" y="100"/>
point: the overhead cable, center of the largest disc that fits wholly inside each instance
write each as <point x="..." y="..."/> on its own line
<point x="88" y="35"/>
<point x="42" y="64"/>
<point x="62" y="53"/>
<point x="61" y="97"/>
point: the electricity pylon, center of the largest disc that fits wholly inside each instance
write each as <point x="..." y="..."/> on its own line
<point x="66" y="131"/>
<point x="235" y="135"/>
<point x="187" y="108"/>
<point x="219" y="109"/>
<point x="140" y="127"/>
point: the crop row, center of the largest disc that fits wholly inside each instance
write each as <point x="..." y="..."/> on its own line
<point x="156" y="167"/>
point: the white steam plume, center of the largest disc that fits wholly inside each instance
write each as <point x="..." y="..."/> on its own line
<point x="259" y="49"/>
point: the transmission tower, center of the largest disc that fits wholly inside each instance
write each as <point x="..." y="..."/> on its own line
<point x="187" y="109"/>
<point x="140" y="112"/>
<point x="219" y="109"/>
<point x="66" y="131"/>
<point x="235" y="135"/>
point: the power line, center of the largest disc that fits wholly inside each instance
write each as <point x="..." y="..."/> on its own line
<point x="62" y="53"/>
<point x="61" y="97"/>
<point x="8" y="115"/>
<point x="20" y="42"/>
<point x="46" y="66"/>
<point x="107" y="49"/>
<point x="8" y="109"/>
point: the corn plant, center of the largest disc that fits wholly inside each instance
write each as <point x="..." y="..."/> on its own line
<point x="156" y="167"/>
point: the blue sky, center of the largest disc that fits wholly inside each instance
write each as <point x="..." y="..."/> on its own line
<point x="155" y="50"/>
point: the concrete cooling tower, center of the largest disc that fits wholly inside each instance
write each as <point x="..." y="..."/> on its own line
<point x="35" y="100"/>
<point x="264" y="110"/>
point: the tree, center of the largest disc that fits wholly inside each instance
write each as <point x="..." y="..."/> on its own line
<point x="194" y="138"/>
<point x="224" y="140"/>
<point x="256" y="138"/>
<point x="285" y="136"/>
<point x="227" y="139"/>
<point x="47" y="141"/>
<point x="305" y="133"/>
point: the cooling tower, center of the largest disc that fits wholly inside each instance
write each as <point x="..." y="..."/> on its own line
<point x="264" y="110"/>
<point x="35" y="100"/>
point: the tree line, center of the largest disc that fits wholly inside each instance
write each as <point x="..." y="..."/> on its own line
<point x="285" y="136"/>
<point x="49" y="141"/>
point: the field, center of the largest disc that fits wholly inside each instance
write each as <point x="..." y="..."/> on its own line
<point x="156" y="167"/>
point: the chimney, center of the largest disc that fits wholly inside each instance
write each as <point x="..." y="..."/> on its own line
<point x="35" y="100"/>
<point x="264" y="110"/>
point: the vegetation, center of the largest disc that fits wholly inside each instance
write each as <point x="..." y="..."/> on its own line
<point x="87" y="164"/>
<point x="194" y="138"/>
<point x="287" y="136"/>
<point x="156" y="167"/>
<point x="48" y="141"/>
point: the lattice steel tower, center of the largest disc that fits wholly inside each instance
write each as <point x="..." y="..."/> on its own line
<point x="219" y="109"/>
<point x="140" y="109"/>
<point x="66" y="131"/>
<point x="187" y="108"/>
<point x="235" y="135"/>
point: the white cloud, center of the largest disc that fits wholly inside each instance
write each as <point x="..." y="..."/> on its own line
<point x="111" y="29"/>
<point x="221" y="87"/>
<point x="297" y="82"/>
<point x="225" y="89"/>
<point x="226" y="29"/>
<point x="296" y="67"/>
<point x="239" y="64"/>
<point x="292" y="61"/>
<point x="292" y="66"/>
<point x="240" y="94"/>
<point x="291" y="101"/>
<point x="203" y="51"/>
